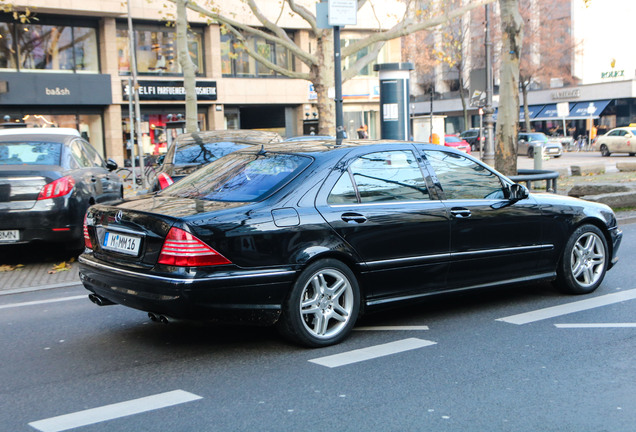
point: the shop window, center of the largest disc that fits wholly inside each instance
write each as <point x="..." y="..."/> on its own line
<point x="156" y="51"/>
<point x="44" y="47"/>
<point x="235" y="62"/>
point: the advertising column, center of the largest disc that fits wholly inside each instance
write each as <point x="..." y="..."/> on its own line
<point x="394" y="100"/>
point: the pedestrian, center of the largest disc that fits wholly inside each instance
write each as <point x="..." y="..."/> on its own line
<point x="362" y="132"/>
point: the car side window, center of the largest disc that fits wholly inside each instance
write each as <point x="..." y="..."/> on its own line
<point x="79" y="155"/>
<point x="381" y="176"/>
<point x="613" y="133"/>
<point x="462" y="178"/>
<point x="93" y="156"/>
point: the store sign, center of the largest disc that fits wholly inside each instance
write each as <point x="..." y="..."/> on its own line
<point x="170" y="90"/>
<point x="567" y="94"/>
<point x="55" y="89"/>
<point x="613" y="74"/>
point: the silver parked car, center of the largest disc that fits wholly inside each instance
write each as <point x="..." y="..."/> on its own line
<point x="528" y="142"/>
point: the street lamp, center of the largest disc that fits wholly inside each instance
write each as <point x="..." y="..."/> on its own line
<point x="489" y="154"/>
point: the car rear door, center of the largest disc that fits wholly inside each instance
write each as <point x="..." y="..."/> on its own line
<point x="381" y="203"/>
<point x="492" y="238"/>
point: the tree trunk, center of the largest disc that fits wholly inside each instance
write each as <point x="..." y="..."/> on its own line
<point x="526" y="110"/>
<point x="188" y="68"/>
<point x="322" y="77"/>
<point x="508" y="116"/>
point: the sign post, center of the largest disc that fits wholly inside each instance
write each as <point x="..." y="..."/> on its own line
<point x="563" y="109"/>
<point x="340" y="13"/>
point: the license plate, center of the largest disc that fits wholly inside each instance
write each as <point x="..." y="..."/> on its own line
<point x="121" y="243"/>
<point x="9" y="235"/>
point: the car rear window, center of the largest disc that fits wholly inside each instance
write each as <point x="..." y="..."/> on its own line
<point x="452" y="139"/>
<point x="30" y="153"/>
<point x="204" y="153"/>
<point x="240" y="177"/>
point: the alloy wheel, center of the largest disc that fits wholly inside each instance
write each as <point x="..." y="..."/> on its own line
<point x="588" y="259"/>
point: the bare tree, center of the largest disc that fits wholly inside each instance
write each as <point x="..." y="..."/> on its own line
<point x="548" y="47"/>
<point x="187" y="66"/>
<point x="320" y="60"/>
<point x="508" y="116"/>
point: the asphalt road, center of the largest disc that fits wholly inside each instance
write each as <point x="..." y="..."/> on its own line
<point x="465" y="362"/>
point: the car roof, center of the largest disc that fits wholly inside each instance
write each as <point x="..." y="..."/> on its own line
<point x="247" y="136"/>
<point x="324" y="146"/>
<point x="34" y="134"/>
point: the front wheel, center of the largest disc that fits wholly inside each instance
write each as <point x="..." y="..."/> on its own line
<point x="323" y="305"/>
<point x="605" y="151"/>
<point x="584" y="261"/>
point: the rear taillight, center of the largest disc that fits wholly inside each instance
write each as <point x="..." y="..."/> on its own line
<point x="57" y="188"/>
<point x="164" y="180"/>
<point x="87" y="238"/>
<point x="182" y="249"/>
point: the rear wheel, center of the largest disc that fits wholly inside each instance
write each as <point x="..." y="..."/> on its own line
<point x="604" y="150"/>
<point x="584" y="261"/>
<point x="323" y="305"/>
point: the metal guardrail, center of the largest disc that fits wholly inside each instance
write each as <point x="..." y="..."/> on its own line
<point x="529" y="176"/>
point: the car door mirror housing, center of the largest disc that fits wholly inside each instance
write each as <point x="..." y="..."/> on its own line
<point x="111" y="165"/>
<point x="517" y="192"/>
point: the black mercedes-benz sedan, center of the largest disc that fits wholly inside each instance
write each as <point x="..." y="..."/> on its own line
<point x="309" y="235"/>
<point x="48" y="179"/>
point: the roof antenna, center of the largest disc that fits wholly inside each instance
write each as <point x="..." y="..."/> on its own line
<point x="262" y="151"/>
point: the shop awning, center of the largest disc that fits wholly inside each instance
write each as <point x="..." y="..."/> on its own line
<point x="549" y="112"/>
<point x="580" y="110"/>
<point x="533" y="111"/>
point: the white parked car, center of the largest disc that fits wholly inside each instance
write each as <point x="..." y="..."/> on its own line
<point x="619" y="140"/>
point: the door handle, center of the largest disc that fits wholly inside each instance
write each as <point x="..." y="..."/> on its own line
<point x="353" y="218"/>
<point x="460" y="212"/>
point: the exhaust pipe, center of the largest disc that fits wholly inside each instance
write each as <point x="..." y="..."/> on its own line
<point x="158" y="318"/>
<point x="99" y="300"/>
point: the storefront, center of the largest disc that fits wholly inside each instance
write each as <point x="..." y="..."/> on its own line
<point x="57" y="100"/>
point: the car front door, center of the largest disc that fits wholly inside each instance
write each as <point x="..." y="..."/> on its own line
<point x="107" y="183"/>
<point x="382" y="205"/>
<point x="493" y="239"/>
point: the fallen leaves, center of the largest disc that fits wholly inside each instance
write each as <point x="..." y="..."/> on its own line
<point x="63" y="266"/>
<point x="9" y="267"/>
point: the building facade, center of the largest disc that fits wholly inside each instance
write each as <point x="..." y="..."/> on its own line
<point x="72" y="68"/>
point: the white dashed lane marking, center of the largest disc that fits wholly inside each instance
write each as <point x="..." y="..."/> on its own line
<point x="114" y="411"/>
<point x="371" y="352"/>
<point x="568" y="308"/>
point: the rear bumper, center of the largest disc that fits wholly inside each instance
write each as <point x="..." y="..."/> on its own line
<point x="232" y="296"/>
<point x="47" y="220"/>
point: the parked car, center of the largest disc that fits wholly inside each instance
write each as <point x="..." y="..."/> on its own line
<point x="48" y="178"/>
<point x="472" y="137"/>
<point x="527" y="143"/>
<point x="619" y="140"/>
<point x="457" y="143"/>
<point x="309" y="235"/>
<point x="191" y="151"/>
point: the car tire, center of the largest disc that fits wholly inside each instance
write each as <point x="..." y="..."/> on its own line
<point x="323" y="305"/>
<point x="531" y="152"/>
<point x="583" y="262"/>
<point x="605" y="151"/>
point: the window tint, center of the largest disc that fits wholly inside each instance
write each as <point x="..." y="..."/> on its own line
<point x="32" y="153"/>
<point x="80" y="156"/>
<point x="205" y="152"/>
<point x="462" y="178"/>
<point x="614" y="133"/>
<point x="92" y="155"/>
<point x="343" y="192"/>
<point x="389" y="176"/>
<point x="240" y="177"/>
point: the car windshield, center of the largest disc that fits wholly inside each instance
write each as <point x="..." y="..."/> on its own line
<point x="240" y="177"/>
<point x="30" y="153"/>
<point x="633" y="131"/>
<point x="203" y="153"/>
<point x="537" y="137"/>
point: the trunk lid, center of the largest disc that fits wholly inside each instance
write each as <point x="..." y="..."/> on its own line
<point x="20" y="186"/>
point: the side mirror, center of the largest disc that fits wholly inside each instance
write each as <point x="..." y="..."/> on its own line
<point x="160" y="159"/>
<point x="111" y="165"/>
<point x="518" y="192"/>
